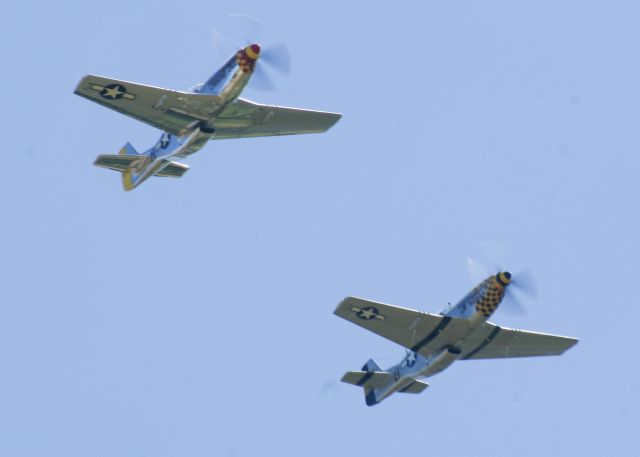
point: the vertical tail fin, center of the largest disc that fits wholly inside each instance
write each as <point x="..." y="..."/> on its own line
<point x="128" y="182"/>
<point x="371" y="365"/>
<point x="369" y="390"/>
<point x="370" y="378"/>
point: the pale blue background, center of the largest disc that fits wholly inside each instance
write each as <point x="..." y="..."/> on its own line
<point x="193" y="317"/>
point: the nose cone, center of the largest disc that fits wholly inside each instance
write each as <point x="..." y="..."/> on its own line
<point x="503" y="278"/>
<point x="253" y="51"/>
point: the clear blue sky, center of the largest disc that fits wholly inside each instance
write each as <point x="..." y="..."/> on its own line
<point x="193" y="317"/>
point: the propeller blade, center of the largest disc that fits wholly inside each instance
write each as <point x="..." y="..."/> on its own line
<point x="277" y="56"/>
<point x="247" y="27"/>
<point x="224" y="46"/>
<point x="525" y="282"/>
<point x="495" y="254"/>
<point x="477" y="271"/>
<point x="514" y="305"/>
<point x="522" y="282"/>
<point x="260" y="80"/>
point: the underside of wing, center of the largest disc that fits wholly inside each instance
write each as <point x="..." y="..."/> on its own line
<point x="494" y="342"/>
<point x="172" y="111"/>
<point x="421" y="332"/>
<point x="244" y="119"/>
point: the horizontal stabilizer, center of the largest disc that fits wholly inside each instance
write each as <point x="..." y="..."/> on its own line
<point x="118" y="162"/>
<point x="366" y="379"/>
<point x="415" y="387"/>
<point x="173" y="170"/>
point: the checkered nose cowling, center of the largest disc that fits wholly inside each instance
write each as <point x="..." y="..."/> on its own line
<point x="493" y="293"/>
<point x="247" y="57"/>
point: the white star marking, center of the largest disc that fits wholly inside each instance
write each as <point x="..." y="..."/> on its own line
<point x="164" y="141"/>
<point x="113" y="92"/>
<point x="411" y="359"/>
<point x="367" y="313"/>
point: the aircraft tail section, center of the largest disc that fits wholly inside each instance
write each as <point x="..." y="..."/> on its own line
<point x="414" y="386"/>
<point x="371" y="365"/>
<point x="369" y="381"/>
<point x="128" y="181"/>
<point x="370" y="378"/>
<point x="366" y="379"/>
<point x="135" y="166"/>
<point x="126" y="161"/>
<point x="378" y="384"/>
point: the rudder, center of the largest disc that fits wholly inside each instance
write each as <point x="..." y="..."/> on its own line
<point x="370" y="378"/>
<point x="127" y="175"/>
<point x="371" y="365"/>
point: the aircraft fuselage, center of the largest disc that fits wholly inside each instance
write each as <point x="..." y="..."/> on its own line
<point x="227" y="84"/>
<point x="475" y="307"/>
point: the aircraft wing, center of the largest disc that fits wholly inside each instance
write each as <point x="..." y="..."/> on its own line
<point x="178" y="112"/>
<point x="494" y="342"/>
<point x="421" y="332"/>
<point x="244" y="119"/>
<point x="430" y="333"/>
<point x="169" y="110"/>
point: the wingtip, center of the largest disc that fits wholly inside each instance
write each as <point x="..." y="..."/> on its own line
<point x="79" y="85"/>
<point x="570" y="342"/>
<point x="345" y="299"/>
<point x="335" y="120"/>
<point x="341" y="305"/>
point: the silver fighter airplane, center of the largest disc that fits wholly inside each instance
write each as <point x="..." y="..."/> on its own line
<point x="435" y="341"/>
<point x="210" y="111"/>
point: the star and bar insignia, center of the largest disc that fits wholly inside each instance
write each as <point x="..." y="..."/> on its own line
<point x="113" y="91"/>
<point x="368" y="313"/>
